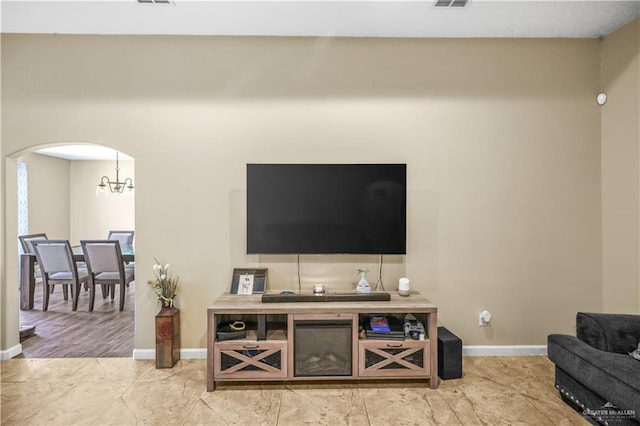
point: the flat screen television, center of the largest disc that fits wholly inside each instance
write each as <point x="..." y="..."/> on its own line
<point x="326" y="208"/>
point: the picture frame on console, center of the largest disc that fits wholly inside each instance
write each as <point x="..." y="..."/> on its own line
<point x="248" y="281"/>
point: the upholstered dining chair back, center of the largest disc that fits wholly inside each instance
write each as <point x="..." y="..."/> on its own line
<point x="124" y="237"/>
<point x="102" y="256"/>
<point x="26" y="241"/>
<point x="53" y="255"/>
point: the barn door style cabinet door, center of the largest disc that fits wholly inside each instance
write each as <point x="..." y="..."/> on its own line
<point x="384" y="358"/>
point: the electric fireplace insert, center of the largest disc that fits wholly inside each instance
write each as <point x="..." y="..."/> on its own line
<point x="322" y="348"/>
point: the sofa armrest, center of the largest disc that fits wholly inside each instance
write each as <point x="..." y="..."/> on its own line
<point x="614" y="377"/>
<point x="619" y="333"/>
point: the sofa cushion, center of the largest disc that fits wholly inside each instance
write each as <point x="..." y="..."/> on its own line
<point x="615" y="377"/>
<point x="617" y="333"/>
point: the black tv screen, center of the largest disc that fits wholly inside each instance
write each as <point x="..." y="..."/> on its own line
<point x="326" y="208"/>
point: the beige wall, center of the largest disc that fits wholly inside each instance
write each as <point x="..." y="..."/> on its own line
<point x="621" y="170"/>
<point x="501" y="138"/>
<point x="48" y="181"/>
<point x="92" y="217"/>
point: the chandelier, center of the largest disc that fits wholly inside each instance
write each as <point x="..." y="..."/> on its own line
<point x="115" y="187"/>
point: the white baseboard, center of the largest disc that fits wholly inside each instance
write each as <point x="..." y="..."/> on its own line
<point x="144" y="354"/>
<point x="193" y="353"/>
<point x="201" y="353"/>
<point x="11" y="352"/>
<point x="498" y="350"/>
<point x="187" y="353"/>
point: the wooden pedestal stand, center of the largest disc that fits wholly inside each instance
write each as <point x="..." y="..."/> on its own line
<point x="167" y="337"/>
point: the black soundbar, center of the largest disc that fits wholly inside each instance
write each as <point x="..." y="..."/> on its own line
<point x="328" y="297"/>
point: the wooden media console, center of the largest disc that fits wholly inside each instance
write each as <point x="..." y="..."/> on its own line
<point x="318" y="341"/>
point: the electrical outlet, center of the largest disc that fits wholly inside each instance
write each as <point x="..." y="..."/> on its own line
<point x="483" y="318"/>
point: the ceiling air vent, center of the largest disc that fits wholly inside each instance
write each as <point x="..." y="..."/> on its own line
<point x="451" y="3"/>
<point x="155" y="2"/>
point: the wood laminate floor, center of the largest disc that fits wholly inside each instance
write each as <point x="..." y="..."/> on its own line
<point x="62" y="333"/>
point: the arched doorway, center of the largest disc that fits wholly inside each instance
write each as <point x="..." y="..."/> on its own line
<point x="62" y="202"/>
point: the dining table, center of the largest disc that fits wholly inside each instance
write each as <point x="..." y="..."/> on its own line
<point x="28" y="278"/>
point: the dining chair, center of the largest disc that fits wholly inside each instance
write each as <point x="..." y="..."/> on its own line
<point x="58" y="267"/>
<point x="26" y="241"/>
<point x="106" y="268"/>
<point x="27" y="248"/>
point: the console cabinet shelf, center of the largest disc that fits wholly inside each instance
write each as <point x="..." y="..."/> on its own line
<point x="320" y="340"/>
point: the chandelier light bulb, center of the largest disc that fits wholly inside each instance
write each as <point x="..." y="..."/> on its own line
<point x="101" y="189"/>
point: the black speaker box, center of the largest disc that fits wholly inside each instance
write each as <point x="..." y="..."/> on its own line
<point x="449" y="355"/>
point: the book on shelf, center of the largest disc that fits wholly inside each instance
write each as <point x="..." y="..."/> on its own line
<point x="379" y="323"/>
<point x="385" y="327"/>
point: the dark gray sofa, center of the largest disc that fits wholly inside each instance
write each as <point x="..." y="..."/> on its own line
<point x="594" y="370"/>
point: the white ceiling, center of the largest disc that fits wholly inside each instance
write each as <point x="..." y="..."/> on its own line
<point x="391" y="18"/>
<point x="83" y="152"/>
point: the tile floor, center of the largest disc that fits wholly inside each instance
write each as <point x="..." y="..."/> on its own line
<point x="121" y="391"/>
